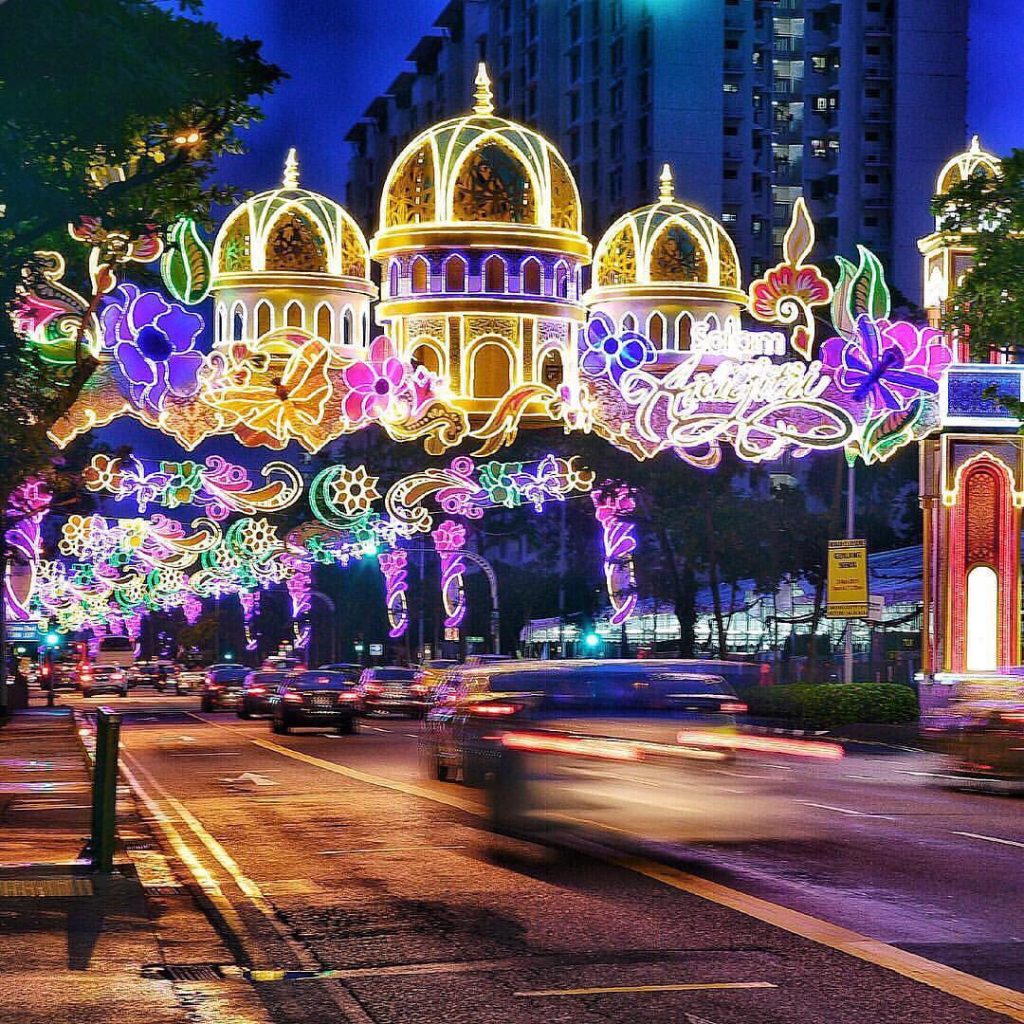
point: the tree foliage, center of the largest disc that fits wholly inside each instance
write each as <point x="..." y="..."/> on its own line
<point x="117" y="110"/>
<point x="987" y="306"/>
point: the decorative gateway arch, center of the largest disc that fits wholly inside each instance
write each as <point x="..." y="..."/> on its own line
<point x="488" y="331"/>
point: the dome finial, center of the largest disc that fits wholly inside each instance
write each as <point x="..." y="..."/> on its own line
<point x="484" y="105"/>
<point x="666" y="188"/>
<point x="975" y="145"/>
<point x="291" y="170"/>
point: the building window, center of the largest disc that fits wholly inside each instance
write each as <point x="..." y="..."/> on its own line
<point x="492" y="371"/>
<point x="574" y="144"/>
<point x="643" y="88"/>
<point x="494" y="274"/>
<point x="420" y="275"/>
<point x="728" y="217"/>
<point x="393" y="279"/>
<point x="264" y="318"/>
<point x="551" y="372"/>
<point x="616" y="96"/>
<point x="324" y="323"/>
<point x="455" y="274"/>
<point x="531" y="277"/>
<point x="615" y="139"/>
<point x="615" y="185"/>
<point x="575" y="23"/>
<point x="348" y="327"/>
<point x="561" y="281"/>
<point x="656" y="330"/>
<point x="819" y="62"/>
<point x="575" y="64"/>
<point x="821" y="103"/>
<point x="818" y="148"/>
<point x="574" y="105"/>
<point x="617" y="54"/>
<point x="731" y="87"/>
<point x="293" y="315"/>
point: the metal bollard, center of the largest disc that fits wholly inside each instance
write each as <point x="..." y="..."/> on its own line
<point x="104" y="789"/>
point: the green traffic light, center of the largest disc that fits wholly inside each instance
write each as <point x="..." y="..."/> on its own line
<point x="52" y="639"/>
<point x="591" y="640"/>
<point x="229" y="656"/>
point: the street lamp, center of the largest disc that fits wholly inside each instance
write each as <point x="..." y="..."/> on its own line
<point x="591" y="640"/>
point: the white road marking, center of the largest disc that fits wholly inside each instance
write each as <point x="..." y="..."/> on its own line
<point x="777" y="767"/>
<point x="990" y="839"/>
<point x="390" y="849"/>
<point x="846" y="810"/>
<point x="698" y="987"/>
<point x="204" y="753"/>
<point x="253" y="777"/>
<point x="866" y="778"/>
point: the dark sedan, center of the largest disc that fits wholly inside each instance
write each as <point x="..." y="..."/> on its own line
<point x="257" y="689"/>
<point x="223" y="687"/>
<point x="316" y="699"/>
<point x="392" y="690"/>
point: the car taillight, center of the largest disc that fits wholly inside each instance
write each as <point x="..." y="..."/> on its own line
<point x="374" y="688"/>
<point x="46" y="670"/>
<point x="760" y="744"/>
<point x="292" y="697"/>
<point x="418" y="689"/>
<point x="348" y="696"/>
<point x="257" y="689"/>
<point x="733" y="707"/>
<point x="494" y="710"/>
<point x="1013" y="717"/>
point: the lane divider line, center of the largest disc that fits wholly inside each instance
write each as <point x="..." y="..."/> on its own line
<point x="938" y="976"/>
<point x="615" y="989"/>
<point x="350" y="1007"/>
<point x="846" y="810"/>
<point x="991" y="839"/>
<point x="956" y="983"/>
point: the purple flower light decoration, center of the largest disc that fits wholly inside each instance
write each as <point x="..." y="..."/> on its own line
<point x="375" y="385"/>
<point x="608" y="354"/>
<point x="887" y="365"/>
<point x="154" y="345"/>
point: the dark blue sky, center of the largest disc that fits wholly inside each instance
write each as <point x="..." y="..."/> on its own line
<point x="342" y="53"/>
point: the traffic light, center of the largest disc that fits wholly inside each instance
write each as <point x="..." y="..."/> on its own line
<point x="53" y="639"/>
<point x="229" y="656"/>
<point x="591" y="640"/>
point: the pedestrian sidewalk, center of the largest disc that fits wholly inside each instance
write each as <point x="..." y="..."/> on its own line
<point x="81" y="947"/>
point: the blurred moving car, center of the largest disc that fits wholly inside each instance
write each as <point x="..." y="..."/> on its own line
<point x="316" y="698"/>
<point x="115" y="650"/>
<point x="430" y="673"/>
<point x="283" y="663"/>
<point x="393" y="690"/>
<point x="647" y="700"/>
<point x="222" y="686"/>
<point x="161" y="674"/>
<point x="977" y="720"/>
<point x="257" y="689"/>
<point x="348" y="668"/>
<point x="56" y="675"/>
<point x="189" y="680"/>
<point x="94" y="679"/>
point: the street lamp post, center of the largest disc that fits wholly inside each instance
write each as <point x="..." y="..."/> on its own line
<point x="851" y="481"/>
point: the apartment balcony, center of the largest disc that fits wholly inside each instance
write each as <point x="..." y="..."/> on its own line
<point x="788" y="88"/>
<point x="788" y="47"/>
<point x="788" y="174"/>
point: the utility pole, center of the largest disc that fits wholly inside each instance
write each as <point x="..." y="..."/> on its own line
<point x="561" y="580"/>
<point x="851" y="499"/>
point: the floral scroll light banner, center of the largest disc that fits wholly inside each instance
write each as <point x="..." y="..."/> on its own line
<point x="868" y="389"/>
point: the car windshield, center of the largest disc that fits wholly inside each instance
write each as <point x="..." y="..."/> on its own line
<point x="264" y="678"/>
<point x="229" y="675"/>
<point x="396" y="675"/>
<point x="321" y="681"/>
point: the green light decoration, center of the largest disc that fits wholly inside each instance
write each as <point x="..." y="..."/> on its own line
<point x="186" y="267"/>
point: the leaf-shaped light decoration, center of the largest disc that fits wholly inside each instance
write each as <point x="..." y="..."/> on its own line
<point x="186" y="265"/>
<point x="799" y="238"/>
<point x="843" y="317"/>
<point x="871" y="293"/>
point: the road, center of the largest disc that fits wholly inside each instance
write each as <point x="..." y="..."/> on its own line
<point x="336" y="852"/>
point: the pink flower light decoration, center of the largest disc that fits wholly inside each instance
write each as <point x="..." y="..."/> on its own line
<point x="376" y="385"/>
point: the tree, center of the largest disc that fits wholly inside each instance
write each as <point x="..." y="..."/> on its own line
<point x="988" y="304"/>
<point x="116" y="111"/>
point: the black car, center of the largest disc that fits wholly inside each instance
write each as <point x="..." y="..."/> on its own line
<point x="393" y="690"/>
<point x="223" y="687"/>
<point x="317" y="699"/>
<point x="257" y="689"/>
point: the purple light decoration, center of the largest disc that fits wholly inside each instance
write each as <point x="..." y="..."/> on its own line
<point x="192" y="607"/>
<point x="612" y="504"/>
<point x="27" y="507"/>
<point x="393" y="566"/>
<point x="449" y="540"/>
<point x="300" y="591"/>
<point x="250" y="602"/>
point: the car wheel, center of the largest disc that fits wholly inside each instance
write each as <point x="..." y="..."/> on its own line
<point x="122" y="693"/>
<point x="348" y="727"/>
<point x="206" y="704"/>
<point x="443" y="771"/>
<point x="243" y="711"/>
<point x="473" y="775"/>
<point x="280" y="726"/>
<point x="87" y="693"/>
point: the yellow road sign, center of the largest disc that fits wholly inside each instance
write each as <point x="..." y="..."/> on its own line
<point x="847" y="594"/>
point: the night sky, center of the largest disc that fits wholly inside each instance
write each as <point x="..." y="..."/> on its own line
<point x="342" y="53"/>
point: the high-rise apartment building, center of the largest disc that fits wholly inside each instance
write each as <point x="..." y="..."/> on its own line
<point x="850" y="103"/>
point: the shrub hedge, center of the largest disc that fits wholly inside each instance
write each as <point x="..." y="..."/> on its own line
<point x="829" y="705"/>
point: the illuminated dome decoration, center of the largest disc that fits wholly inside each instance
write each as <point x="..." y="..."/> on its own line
<point x="659" y="269"/>
<point x="948" y="257"/>
<point x="480" y="246"/>
<point x="291" y="258"/>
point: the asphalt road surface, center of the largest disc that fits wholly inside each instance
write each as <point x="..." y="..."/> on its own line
<point x="337" y="852"/>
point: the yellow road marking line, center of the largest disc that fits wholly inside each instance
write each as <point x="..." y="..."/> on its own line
<point x="696" y="987"/>
<point x="938" y="976"/>
<point x="956" y="983"/>
<point x="203" y="878"/>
